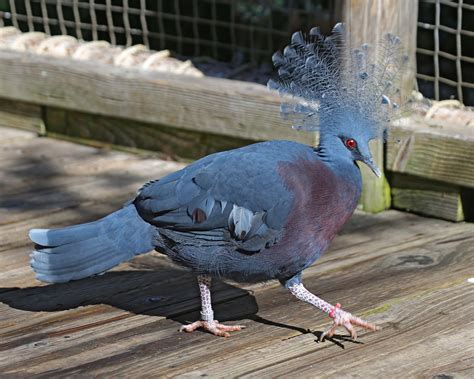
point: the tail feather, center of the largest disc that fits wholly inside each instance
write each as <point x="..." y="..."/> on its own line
<point x="57" y="237"/>
<point x="85" y="253"/>
<point x="79" y="251"/>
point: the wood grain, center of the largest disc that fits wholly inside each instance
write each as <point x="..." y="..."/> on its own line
<point x="168" y="142"/>
<point x="15" y="114"/>
<point x="428" y="197"/>
<point x="445" y="205"/>
<point x="441" y="153"/>
<point x="368" y="21"/>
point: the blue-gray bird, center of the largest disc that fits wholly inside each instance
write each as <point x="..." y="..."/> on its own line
<point x="262" y="212"/>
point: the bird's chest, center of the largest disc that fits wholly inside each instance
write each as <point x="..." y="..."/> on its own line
<point x="323" y="202"/>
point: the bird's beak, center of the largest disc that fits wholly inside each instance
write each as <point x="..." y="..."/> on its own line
<point x="370" y="162"/>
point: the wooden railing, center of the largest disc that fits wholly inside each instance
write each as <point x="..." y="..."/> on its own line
<point x="431" y="169"/>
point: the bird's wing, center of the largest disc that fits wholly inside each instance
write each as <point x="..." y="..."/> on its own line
<point x="238" y="193"/>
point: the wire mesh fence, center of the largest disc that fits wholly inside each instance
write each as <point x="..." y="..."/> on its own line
<point x="244" y="31"/>
<point x="445" y="49"/>
<point x="223" y="29"/>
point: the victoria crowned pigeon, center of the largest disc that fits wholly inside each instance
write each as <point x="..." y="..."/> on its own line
<point x="261" y="212"/>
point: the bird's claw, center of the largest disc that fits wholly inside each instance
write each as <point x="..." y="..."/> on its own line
<point x="213" y="327"/>
<point x="347" y="320"/>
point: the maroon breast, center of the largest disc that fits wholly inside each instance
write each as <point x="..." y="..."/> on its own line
<point x="323" y="202"/>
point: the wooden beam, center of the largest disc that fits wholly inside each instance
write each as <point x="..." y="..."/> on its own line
<point x="21" y="115"/>
<point x="444" y="205"/>
<point x="443" y="153"/>
<point x="428" y="197"/>
<point x="367" y="21"/>
<point x="210" y="105"/>
<point x="167" y="141"/>
<point x="431" y="167"/>
<point x="375" y="195"/>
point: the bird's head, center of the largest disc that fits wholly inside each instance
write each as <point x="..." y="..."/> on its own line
<point x="350" y="141"/>
<point x="348" y="95"/>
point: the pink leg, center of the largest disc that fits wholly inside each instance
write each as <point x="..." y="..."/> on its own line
<point x="340" y="317"/>
<point x="207" y="321"/>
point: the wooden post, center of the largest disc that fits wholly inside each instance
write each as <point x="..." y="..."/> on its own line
<point x="367" y="21"/>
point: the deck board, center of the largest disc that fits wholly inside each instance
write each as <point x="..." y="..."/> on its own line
<point x="407" y="273"/>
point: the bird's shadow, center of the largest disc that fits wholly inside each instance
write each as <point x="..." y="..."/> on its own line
<point x="336" y="339"/>
<point x="169" y="293"/>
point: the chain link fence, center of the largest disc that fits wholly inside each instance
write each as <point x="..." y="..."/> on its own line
<point x="245" y="33"/>
<point x="226" y="30"/>
<point x="445" y="49"/>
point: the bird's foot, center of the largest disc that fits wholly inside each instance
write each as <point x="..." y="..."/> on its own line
<point x="213" y="327"/>
<point x="347" y="320"/>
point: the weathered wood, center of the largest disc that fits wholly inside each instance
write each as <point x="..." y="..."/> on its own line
<point x="16" y="114"/>
<point x="411" y="348"/>
<point x="427" y="197"/>
<point x="124" y="323"/>
<point x="443" y="153"/>
<point x="169" y="142"/>
<point x="211" y="105"/>
<point x="118" y="180"/>
<point x="445" y="205"/>
<point x="375" y="196"/>
<point x="445" y="147"/>
<point x="177" y="359"/>
<point x="367" y="21"/>
<point x="156" y="352"/>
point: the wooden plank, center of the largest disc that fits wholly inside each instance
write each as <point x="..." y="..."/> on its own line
<point x="170" y="142"/>
<point x="367" y="22"/>
<point x="153" y="350"/>
<point x="428" y="197"/>
<point x="50" y="173"/>
<point x="450" y="135"/>
<point x="442" y="153"/>
<point x="407" y="347"/>
<point x="293" y="313"/>
<point x="445" y="205"/>
<point x="211" y="105"/>
<point x="375" y="196"/>
<point x="386" y="269"/>
<point x="16" y="114"/>
<point x="120" y="183"/>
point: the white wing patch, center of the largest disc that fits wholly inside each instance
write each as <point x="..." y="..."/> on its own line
<point x="245" y="223"/>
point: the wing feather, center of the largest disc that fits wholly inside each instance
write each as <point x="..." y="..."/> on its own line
<point x="239" y="195"/>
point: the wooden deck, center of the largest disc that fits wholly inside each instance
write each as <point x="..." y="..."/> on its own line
<point x="409" y="274"/>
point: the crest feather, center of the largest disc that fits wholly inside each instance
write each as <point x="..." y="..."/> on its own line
<point x="325" y="84"/>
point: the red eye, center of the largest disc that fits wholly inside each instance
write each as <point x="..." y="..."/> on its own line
<point x="351" y="144"/>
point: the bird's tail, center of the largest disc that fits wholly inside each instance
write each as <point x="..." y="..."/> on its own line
<point x="80" y="251"/>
